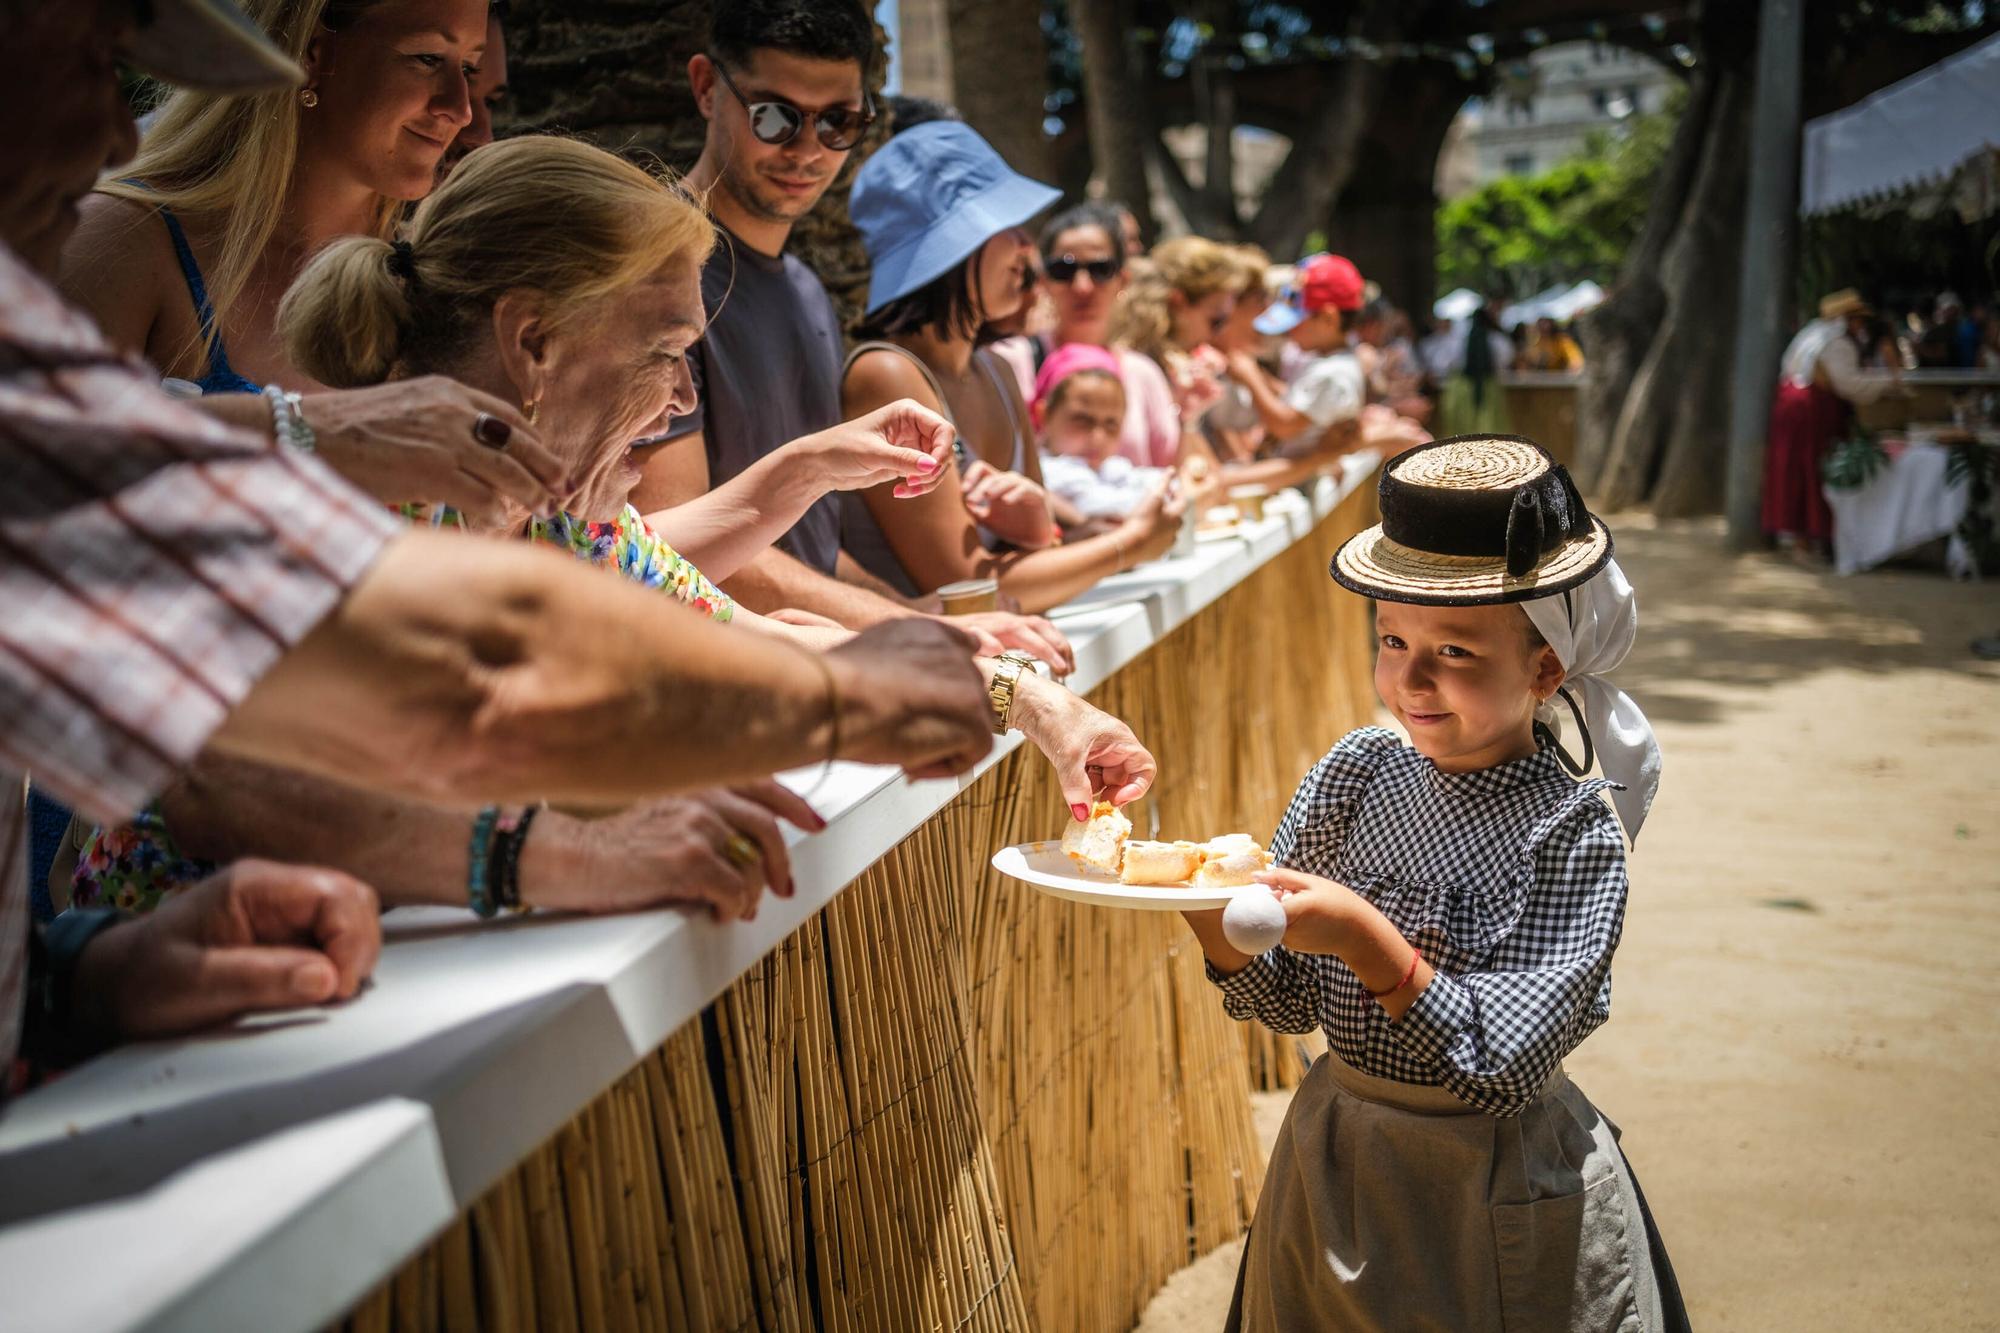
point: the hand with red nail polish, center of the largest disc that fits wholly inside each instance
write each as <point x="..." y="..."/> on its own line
<point x="904" y="442"/>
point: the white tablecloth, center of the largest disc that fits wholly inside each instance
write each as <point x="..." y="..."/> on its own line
<point x="1907" y="504"/>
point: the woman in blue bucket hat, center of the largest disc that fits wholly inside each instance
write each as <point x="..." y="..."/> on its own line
<point x="943" y="217"/>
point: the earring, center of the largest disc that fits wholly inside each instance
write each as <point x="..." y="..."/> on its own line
<point x="534" y="408"/>
<point x="308" y="99"/>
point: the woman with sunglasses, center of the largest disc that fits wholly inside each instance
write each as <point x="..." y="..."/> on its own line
<point x="1083" y="260"/>
<point x="942" y="217"/>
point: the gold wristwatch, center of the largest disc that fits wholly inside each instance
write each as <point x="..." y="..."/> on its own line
<point x="1006" y="677"/>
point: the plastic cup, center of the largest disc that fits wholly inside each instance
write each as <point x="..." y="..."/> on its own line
<point x="970" y="597"/>
<point x="1249" y="502"/>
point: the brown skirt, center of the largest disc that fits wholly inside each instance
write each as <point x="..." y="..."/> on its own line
<point x="1392" y="1206"/>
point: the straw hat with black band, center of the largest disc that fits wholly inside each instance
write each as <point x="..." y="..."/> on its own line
<point x="1481" y="520"/>
<point x="1472" y="521"/>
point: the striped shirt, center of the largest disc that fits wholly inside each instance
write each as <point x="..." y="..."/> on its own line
<point x="153" y="565"/>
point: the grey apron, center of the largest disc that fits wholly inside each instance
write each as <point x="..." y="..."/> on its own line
<point x="1394" y="1206"/>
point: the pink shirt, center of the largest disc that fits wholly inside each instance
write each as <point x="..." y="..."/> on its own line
<point x="1152" y="433"/>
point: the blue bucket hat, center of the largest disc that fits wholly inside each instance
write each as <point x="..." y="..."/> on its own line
<point x="928" y="199"/>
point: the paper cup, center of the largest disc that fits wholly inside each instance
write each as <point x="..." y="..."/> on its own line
<point x="970" y="597"/>
<point x="1249" y="502"/>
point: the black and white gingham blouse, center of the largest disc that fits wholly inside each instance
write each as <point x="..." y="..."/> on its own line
<point x="1512" y="882"/>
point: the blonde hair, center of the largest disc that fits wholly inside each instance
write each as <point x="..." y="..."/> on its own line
<point x="1195" y="267"/>
<point x="556" y="217"/>
<point x="232" y="156"/>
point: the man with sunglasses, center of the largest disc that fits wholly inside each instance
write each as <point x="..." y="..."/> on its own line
<point x="781" y="89"/>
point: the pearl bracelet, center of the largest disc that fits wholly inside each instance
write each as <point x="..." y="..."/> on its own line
<point x="288" y="419"/>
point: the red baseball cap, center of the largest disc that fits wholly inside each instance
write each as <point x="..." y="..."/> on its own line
<point x="1324" y="282"/>
<point x="1329" y="282"/>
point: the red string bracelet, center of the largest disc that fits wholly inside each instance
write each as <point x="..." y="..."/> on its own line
<point x="1416" y="956"/>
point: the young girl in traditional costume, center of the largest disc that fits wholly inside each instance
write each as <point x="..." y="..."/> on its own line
<point x="1451" y="906"/>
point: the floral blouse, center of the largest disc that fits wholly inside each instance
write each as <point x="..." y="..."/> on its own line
<point x="134" y="866"/>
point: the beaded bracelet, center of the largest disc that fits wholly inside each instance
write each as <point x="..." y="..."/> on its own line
<point x="504" y="869"/>
<point x="479" y="861"/>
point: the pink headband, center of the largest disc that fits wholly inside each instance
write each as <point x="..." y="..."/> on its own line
<point x="1071" y="359"/>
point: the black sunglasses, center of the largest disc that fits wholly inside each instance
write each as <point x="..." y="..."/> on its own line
<point x="1063" y="269"/>
<point x="776" y="123"/>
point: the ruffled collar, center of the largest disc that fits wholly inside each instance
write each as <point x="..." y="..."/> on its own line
<point x="1529" y="770"/>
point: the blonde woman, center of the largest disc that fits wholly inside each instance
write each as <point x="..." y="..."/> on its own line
<point x="1177" y="305"/>
<point x="183" y="256"/>
<point x="554" y="275"/>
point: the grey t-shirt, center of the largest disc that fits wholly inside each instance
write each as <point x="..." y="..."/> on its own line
<point x="767" y="372"/>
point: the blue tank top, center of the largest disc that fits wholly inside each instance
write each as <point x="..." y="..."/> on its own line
<point x="220" y="377"/>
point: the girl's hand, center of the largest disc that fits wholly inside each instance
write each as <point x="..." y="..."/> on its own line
<point x="1319" y="913"/>
<point x="1009" y="505"/>
<point x="1151" y="530"/>
<point x="903" y="442"/>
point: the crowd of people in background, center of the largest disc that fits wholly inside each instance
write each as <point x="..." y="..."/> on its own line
<point x="373" y="474"/>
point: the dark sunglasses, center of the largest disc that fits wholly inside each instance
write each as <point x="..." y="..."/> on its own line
<point x="1063" y="269"/>
<point x="776" y="123"/>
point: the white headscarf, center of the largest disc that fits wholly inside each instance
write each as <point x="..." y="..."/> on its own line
<point x="1591" y="628"/>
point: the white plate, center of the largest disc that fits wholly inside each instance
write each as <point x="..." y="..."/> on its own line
<point x="1043" y="865"/>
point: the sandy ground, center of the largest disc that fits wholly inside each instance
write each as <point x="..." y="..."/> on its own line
<point x="1804" y="1048"/>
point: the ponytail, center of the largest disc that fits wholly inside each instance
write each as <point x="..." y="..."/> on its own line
<point x="344" y="319"/>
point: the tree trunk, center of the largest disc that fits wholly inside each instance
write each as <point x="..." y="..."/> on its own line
<point x="1673" y="428"/>
<point x="615" y="72"/>
<point x="1000" y="77"/>
<point x="1652" y="408"/>
<point x="1386" y="218"/>
<point x="1323" y="156"/>
<point x="1115" y="106"/>
<point x="1617" y="333"/>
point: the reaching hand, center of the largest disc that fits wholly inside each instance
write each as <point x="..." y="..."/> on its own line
<point x="1093" y="752"/>
<point x="903" y="440"/>
<point x="1009" y="505"/>
<point x="434" y="441"/>
<point x="1149" y="533"/>
<point x="1389" y="432"/>
<point x="717" y="848"/>
<point x="1031" y="634"/>
<point x="910" y="696"/>
<point x="252" y="937"/>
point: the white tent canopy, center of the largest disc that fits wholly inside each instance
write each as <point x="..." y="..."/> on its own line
<point x="1454" y="306"/>
<point x="1912" y="133"/>
<point x="1560" y="303"/>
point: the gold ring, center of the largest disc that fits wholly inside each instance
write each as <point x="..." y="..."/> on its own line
<point x="741" y="851"/>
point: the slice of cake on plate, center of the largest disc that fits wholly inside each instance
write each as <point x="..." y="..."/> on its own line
<point x="1098" y="843"/>
<point x="1160" y="863"/>
<point x="1229" y="862"/>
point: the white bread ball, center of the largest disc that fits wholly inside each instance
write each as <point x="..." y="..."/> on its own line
<point x="1254" y="920"/>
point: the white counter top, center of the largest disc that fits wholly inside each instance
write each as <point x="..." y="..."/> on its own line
<point x="208" y="1183"/>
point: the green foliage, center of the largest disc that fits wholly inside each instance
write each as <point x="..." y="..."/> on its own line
<point x="1853" y="462"/>
<point x="1977" y="467"/>
<point x="1520" y="234"/>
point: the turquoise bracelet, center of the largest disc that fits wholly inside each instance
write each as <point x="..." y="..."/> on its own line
<point x="477" y="890"/>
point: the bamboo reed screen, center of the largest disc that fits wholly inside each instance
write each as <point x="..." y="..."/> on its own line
<point x="948" y="1102"/>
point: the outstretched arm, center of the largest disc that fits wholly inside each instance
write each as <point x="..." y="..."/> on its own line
<point x="724" y="530"/>
<point x="469" y="670"/>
